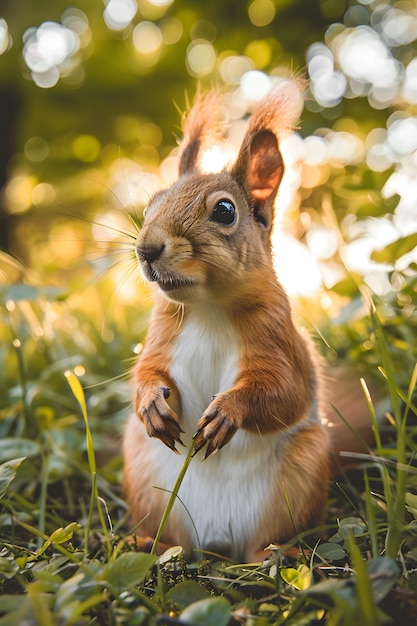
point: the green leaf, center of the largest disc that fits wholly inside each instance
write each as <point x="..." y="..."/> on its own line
<point x="62" y="535"/>
<point x="364" y="590"/>
<point x="331" y="552"/>
<point x="209" y="612"/>
<point x="127" y="570"/>
<point x="20" y="292"/>
<point x="351" y="526"/>
<point x="411" y="503"/>
<point x="395" y="250"/>
<point x="13" y="611"/>
<point x="299" y="578"/>
<point x="333" y="589"/>
<point x="8" y="473"/>
<point x="16" y="447"/>
<point x="59" y="536"/>
<point x="383" y="573"/>
<point x="73" y="591"/>
<point x="347" y="287"/>
<point x="8" y="569"/>
<point x="78" y="392"/>
<point x="186" y="593"/>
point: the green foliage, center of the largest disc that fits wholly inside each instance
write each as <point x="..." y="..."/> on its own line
<point x="71" y="562"/>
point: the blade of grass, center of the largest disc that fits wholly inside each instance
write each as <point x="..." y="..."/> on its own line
<point x="364" y="589"/>
<point x="78" y="393"/>
<point x="173" y="497"/>
<point x="352" y="430"/>
<point x="372" y="413"/>
<point x="370" y="517"/>
<point x="396" y="512"/>
<point x="43" y="494"/>
<point x="410" y="392"/>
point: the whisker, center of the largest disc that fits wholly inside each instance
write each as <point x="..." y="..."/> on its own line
<point x="124" y="375"/>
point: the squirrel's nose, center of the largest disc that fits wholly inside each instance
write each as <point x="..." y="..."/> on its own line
<point x="149" y="253"/>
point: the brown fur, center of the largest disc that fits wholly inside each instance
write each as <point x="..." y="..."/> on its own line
<point x="211" y="272"/>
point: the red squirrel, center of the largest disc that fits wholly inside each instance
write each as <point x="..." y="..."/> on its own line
<point x="223" y="362"/>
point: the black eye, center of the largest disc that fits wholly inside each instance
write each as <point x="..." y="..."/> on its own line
<point x="224" y="213"/>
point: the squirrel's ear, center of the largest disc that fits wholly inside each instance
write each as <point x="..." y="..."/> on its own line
<point x="201" y="128"/>
<point x="259" y="166"/>
<point x="259" y="169"/>
<point x="265" y="167"/>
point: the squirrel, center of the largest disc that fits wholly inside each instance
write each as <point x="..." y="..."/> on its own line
<point x="224" y="365"/>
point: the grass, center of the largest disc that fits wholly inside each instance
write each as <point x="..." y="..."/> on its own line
<point x="65" y="553"/>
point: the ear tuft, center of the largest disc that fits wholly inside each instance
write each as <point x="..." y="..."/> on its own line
<point x="281" y="108"/>
<point x="259" y="166"/>
<point x="201" y="128"/>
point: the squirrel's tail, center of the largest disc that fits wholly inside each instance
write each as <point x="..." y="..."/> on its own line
<point x="348" y="416"/>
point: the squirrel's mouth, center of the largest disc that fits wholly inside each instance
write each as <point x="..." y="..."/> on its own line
<point x="165" y="280"/>
<point x="173" y="283"/>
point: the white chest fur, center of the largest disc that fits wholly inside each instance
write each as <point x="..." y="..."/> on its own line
<point x="204" y="362"/>
<point x="224" y="494"/>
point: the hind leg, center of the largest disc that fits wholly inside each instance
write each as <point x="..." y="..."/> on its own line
<point x="298" y="495"/>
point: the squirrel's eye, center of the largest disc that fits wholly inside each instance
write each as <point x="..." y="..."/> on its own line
<point x="224" y="212"/>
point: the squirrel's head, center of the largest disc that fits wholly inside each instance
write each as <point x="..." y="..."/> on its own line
<point x="208" y="235"/>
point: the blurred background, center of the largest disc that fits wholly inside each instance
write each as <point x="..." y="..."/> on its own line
<point x="90" y="100"/>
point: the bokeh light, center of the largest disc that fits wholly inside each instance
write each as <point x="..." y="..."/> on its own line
<point x="232" y="67"/>
<point x="171" y="29"/>
<point x="261" y="12"/>
<point x="399" y="27"/>
<point x="364" y="57"/>
<point x="356" y="148"/>
<point x="51" y="50"/>
<point x="118" y="14"/>
<point x="36" y="149"/>
<point x="161" y="3"/>
<point x="5" y="37"/>
<point x="201" y="58"/>
<point x="254" y="85"/>
<point x="147" y="38"/>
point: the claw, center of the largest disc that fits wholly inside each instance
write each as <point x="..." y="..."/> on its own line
<point x="211" y="449"/>
<point x="168" y="441"/>
<point x="160" y="421"/>
<point x="199" y="442"/>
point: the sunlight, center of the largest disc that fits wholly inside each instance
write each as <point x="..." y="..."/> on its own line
<point x="51" y="50"/>
<point x="106" y="228"/>
<point x="147" y="38"/>
<point x="18" y="193"/>
<point x="171" y="29"/>
<point x="129" y="185"/>
<point x="5" y="37"/>
<point x="296" y="267"/>
<point x="217" y="157"/>
<point x="365" y="57"/>
<point x="327" y="85"/>
<point x="255" y="85"/>
<point x="161" y="3"/>
<point x="399" y="28"/>
<point x="118" y="14"/>
<point x="201" y="57"/>
<point x="261" y="12"/>
<point x="232" y="68"/>
<point x="410" y="82"/>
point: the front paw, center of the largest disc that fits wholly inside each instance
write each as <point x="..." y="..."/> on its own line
<point x="214" y="428"/>
<point x="159" y="419"/>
